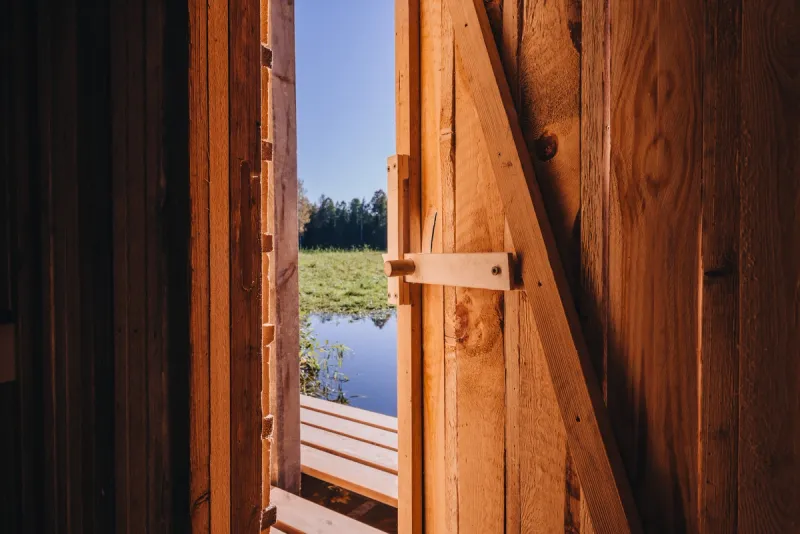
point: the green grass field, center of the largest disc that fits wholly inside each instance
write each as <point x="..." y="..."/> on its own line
<point x="349" y="282"/>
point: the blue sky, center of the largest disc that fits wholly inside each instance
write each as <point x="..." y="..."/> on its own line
<point x="345" y="95"/>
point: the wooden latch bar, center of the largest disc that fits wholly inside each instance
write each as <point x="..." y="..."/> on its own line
<point x="589" y="434"/>
<point x="397" y="222"/>
<point x="489" y="270"/>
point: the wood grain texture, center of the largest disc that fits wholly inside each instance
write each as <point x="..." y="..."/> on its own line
<point x="200" y="303"/>
<point x="719" y="406"/>
<point x="284" y="297"/>
<point x="409" y="316"/>
<point x="245" y="251"/>
<point x="654" y="247"/>
<point x="480" y="369"/>
<point x="433" y="338"/>
<point x="769" y="369"/>
<point x="578" y="394"/>
<point x="220" y="274"/>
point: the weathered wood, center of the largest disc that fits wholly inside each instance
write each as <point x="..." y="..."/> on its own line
<point x="409" y="316"/>
<point x="654" y="254"/>
<point x="577" y="391"/>
<point x="219" y="256"/>
<point x="284" y="296"/>
<point x="200" y="304"/>
<point x="769" y="263"/>
<point x="245" y="251"/>
<point x="719" y="402"/>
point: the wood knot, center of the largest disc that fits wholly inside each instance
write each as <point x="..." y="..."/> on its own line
<point x="546" y="146"/>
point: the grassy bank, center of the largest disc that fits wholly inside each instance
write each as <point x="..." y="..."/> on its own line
<point x="348" y="282"/>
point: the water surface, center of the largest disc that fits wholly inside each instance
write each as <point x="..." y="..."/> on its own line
<point x="371" y="362"/>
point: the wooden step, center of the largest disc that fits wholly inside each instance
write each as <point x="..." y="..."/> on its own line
<point x="358" y="415"/>
<point x="349" y="428"/>
<point x="299" y="516"/>
<point x="357" y="477"/>
<point x="349" y="448"/>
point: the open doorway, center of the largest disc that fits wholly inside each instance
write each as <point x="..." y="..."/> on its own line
<point x="345" y="131"/>
<point x="345" y="87"/>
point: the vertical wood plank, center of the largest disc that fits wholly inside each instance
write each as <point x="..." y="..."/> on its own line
<point x="549" y="39"/>
<point x="769" y="372"/>
<point x="200" y="331"/>
<point x="245" y="285"/>
<point x="720" y="258"/>
<point x="479" y="227"/>
<point x="284" y="301"/>
<point x="654" y="247"/>
<point x="433" y="337"/>
<point x="266" y="340"/>
<point x="220" y="273"/>
<point x="595" y="175"/>
<point x="409" y="316"/>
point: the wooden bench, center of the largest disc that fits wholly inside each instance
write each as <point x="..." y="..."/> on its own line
<point x="352" y="448"/>
<point x="299" y="516"/>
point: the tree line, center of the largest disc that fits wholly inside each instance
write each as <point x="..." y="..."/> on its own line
<point x="329" y="224"/>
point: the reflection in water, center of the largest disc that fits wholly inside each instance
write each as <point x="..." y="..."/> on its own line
<point x="370" y="363"/>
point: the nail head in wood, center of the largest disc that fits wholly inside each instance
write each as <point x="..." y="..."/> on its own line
<point x="398" y="267"/>
<point x="266" y="150"/>
<point x="266" y="243"/>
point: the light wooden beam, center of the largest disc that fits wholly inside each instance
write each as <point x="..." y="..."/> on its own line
<point x="409" y="316"/>
<point x="589" y="434"/>
<point x="480" y="270"/>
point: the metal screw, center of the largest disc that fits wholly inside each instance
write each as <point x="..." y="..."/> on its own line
<point x="496" y="270"/>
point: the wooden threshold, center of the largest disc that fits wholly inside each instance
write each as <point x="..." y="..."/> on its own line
<point x="352" y="448"/>
<point x="299" y="516"/>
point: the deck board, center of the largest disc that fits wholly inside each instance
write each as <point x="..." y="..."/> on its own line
<point x="358" y="415"/>
<point x="362" y="479"/>
<point x="349" y="448"/>
<point x="347" y="427"/>
<point x="297" y="515"/>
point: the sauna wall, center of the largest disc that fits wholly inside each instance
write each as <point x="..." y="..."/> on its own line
<point x="664" y="138"/>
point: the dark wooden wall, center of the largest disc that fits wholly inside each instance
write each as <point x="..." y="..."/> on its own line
<point x="95" y="230"/>
<point x="665" y="141"/>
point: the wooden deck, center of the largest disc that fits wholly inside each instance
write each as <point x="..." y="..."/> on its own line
<point x="352" y="448"/>
<point x="299" y="516"/>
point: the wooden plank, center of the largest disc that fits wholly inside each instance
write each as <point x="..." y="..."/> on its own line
<point x="448" y="514"/>
<point x="433" y="391"/>
<point x="350" y="413"/>
<point x="367" y="481"/>
<point x="268" y="330"/>
<point x="769" y="339"/>
<point x="478" y="331"/>
<point x="719" y="402"/>
<point x="580" y="400"/>
<point x="200" y="330"/>
<point x="219" y="256"/>
<point x="296" y="514"/>
<point x="548" y="104"/>
<point x="654" y="254"/>
<point x="595" y="177"/>
<point x="511" y="37"/>
<point x="348" y="428"/>
<point x="284" y="297"/>
<point x="397" y="221"/>
<point x="481" y="270"/>
<point x="409" y="317"/>
<point x="349" y="448"/>
<point x="245" y="279"/>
